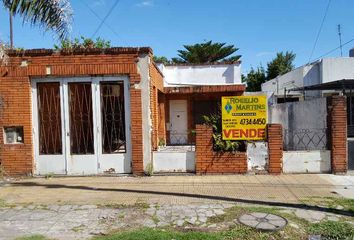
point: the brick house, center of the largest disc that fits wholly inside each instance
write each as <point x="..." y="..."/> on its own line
<point x="101" y="111"/>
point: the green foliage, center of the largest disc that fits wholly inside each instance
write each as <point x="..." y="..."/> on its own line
<point x="220" y="145"/>
<point x="162" y="142"/>
<point x="33" y="237"/>
<point x="161" y="59"/>
<point x="207" y="52"/>
<point x="50" y="14"/>
<point x="332" y="230"/>
<point x="281" y="64"/>
<point x="149" y="170"/>
<point x="254" y="79"/>
<point x="82" y="43"/>
<point x="158" y="234"/>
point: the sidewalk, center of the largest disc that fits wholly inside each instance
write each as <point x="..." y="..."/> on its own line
<point x="259" y="189"/>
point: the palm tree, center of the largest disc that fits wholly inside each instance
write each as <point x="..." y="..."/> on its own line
<point x="207" y="52"/>
<point x="53" y="15"/>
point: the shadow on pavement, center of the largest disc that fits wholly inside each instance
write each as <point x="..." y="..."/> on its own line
<point x="192" y="195"/>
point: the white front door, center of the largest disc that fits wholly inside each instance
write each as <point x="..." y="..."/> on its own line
<point x="178" y="122"/>
<point x="80" y="125"/>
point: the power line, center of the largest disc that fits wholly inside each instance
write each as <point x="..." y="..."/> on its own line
<point x="319" y="30"/>
<point x="99" y="18"/>
<point x="105" y="18"/>
<point x="333" y="50"/>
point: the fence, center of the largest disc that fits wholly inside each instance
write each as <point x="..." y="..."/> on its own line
<point x="305" y="139"/>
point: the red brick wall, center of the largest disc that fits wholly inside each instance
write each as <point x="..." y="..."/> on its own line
<point x="210" y="162"/>
<point x="156" y="86"/>
<point x="15" y="93"/>
<point x="161" y="117"/>
<point x="337" y="127"/>
<point x="275" y="148"/>
<point x="15" y="110"/>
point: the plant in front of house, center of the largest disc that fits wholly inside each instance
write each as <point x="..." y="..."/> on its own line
<point x="220" y="145"/>
<point x="82" y="43"/>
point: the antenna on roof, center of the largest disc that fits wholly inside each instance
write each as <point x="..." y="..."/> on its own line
<point x="11" y="32"/>
<point x="340" y="40"/>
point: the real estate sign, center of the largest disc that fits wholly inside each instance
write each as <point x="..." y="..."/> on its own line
<point x="244" y="117"/>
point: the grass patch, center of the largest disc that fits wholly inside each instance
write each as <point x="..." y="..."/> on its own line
<point x="331" y="202"/>
<point x="236" y="211"/>
<point x="332" y="230"/>
<point x="4" y="204"/>
<point x="155" y="219"/>
<point x="243" y="232"/>
<point x="33" y="237"/>
<point x="78" y="228"/>
<point x="239" y="232"/>
<point x="159" y="234"/>
<point x="113" y="205"/>
<point x="137" y="205"/>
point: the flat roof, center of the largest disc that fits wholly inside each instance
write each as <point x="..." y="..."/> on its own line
<point x="49" y="52"/>
<point x="334" y="85"/>
<point x="205" y="89"/>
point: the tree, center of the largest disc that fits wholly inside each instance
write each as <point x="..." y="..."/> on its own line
<point x="280" y="65"/>
<point x="254" y="79"/>
<point x="162" y="59"/>
<point x="49" y="14"/>
<point x="207" y="52"/>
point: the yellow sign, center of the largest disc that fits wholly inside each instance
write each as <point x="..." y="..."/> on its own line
<point x="244" y="117"/>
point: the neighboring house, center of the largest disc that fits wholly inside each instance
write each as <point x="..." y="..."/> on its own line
<point x="102" y="111"/>
<point x="193" y="90"/>
<point x="322" y="74"/>
<point x="325" y="77"/>
<point x="322" y="71"/>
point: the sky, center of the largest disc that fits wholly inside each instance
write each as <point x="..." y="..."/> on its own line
<point x="258" y="28"/>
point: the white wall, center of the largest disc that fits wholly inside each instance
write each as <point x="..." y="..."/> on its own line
<point x="144" y="85"/>
<point x="257" y="156"/>
<point x="322" y="71"/>
<point x="300" y="115"/>
<point x="289" y="80"/>
<point x="219" y="74"/>
<point x="337" y="69"/>
<point x="307" y="161"/>
<point x="174" y="161"/>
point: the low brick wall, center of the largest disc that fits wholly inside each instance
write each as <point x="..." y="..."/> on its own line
<point x="275" y="148"/>
<point x="211" y="162"/>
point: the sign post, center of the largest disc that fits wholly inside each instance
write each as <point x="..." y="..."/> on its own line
<point x="244" y="117"/>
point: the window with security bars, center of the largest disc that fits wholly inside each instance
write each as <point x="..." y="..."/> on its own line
<point x="49" y="118"/>
<point x="113" y="117"/>
<point x="81" y="119"/>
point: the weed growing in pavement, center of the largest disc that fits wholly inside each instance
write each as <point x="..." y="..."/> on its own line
<point x="331" y="230"/>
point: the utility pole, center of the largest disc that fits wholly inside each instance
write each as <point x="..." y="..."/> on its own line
<point x="340" y="40"/>
<point x="11" y="33"/>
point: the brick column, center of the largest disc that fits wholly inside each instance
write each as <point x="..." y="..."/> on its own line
<point x="203" y="145"/>
<point x="337" y="129"/>
<point x="136" y="131"/>
<point x="275" y="148"/>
